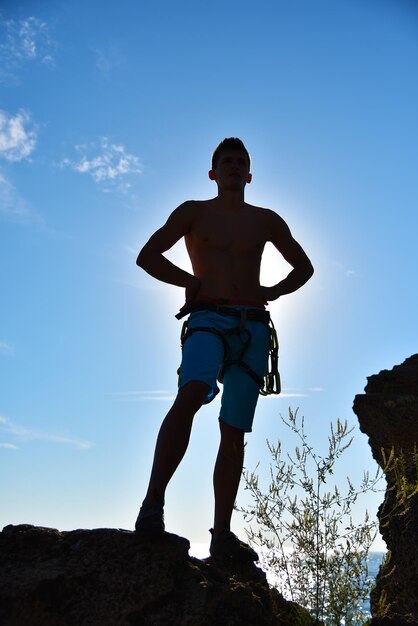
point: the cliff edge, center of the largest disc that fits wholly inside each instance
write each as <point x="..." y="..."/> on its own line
<point x="112" y="577"/>
<point x="388" y="414"/>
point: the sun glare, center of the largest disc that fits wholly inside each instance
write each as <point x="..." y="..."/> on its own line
<point x="178" y="255"/>
<point x="273" y="267"/>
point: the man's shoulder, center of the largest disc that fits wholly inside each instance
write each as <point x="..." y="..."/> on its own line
<point x="263" y="212"/>
<point x="187" y="214"/>
<point x="193" y="205"/>
<point x="274" y="224"/>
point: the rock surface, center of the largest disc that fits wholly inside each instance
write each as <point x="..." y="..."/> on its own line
<point x="388" y="414"/>
<point x="111" y="577"/>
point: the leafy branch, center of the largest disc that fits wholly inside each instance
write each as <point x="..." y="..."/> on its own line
<point x="326" y="570"/>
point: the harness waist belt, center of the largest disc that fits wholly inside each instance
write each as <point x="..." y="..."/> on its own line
<point x="253" y="315"/>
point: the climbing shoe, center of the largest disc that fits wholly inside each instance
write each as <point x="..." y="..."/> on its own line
<point x="150" y="520"/>
<point x="226" y="545"/>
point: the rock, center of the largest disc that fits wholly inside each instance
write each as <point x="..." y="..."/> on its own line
<point x="388" y="414"/>
<point x="112" y="577"/>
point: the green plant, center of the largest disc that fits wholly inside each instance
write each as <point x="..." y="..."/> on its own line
<point x="397" y="464"/>
<point x="383" y="604"/>
<point x="326" y="569"/>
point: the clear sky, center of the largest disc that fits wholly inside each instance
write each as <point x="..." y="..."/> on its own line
<point x="109" y="113"/>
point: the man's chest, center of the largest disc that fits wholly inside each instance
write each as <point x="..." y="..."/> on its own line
<point x="236" y="233"/>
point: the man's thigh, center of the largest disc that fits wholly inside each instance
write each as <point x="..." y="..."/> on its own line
<point x="202" y="356"/>
<point x="241" y="392"/>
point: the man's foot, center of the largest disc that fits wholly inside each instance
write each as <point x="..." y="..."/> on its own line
<point x="226" y="545"/>
<point x="150" y="520"/>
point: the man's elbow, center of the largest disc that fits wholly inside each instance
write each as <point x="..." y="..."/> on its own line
<point x="309" y="270"/>
<point x="141" y="259"/>
<point x="306" y="270"/>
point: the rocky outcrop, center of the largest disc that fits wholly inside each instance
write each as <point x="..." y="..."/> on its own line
<point x="388" y="414"/>
<point x="109" y="577"/>
<point x="112" y="577"/>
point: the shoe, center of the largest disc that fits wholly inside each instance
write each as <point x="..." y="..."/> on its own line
<point x="150" y="520"/>
<point x="226" y="545"/>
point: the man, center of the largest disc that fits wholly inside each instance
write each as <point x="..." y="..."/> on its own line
<point x="228" y="330"/>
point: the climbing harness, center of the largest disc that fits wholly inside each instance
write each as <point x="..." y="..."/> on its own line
<point x="270" y="382"/>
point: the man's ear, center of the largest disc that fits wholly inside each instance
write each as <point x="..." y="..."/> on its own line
<point x="249" y="178"/>
<point x="212" y="174"/>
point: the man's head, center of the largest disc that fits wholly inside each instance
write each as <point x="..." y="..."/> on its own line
<point x="230" y="149"/>
<point x="230" y="143"/>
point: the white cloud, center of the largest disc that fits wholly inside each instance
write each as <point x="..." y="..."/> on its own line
<point x="12" y="206"/>
<point x="108" y="60"/>
<point x="23" y="434"/>
<point x="17" y="136"/>
<point x="349" y="273"/>
<point x="291" y="392"/>
<point x="6" y="349"/>
<point x="158" y="395"/>
<point x="164" y="395"/>
<point x="107" y="163"/>
<point x="24" y="41"/>
<point x="9" y="446"/>
<point x="285" y="394"/>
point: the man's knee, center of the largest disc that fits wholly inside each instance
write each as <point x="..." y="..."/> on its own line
<point x="193" y="394"/>
<point x="232" y="436"/>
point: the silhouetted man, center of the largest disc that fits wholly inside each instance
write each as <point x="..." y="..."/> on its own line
<point x="228" y="331"/>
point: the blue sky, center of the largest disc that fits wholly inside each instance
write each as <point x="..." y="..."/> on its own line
<point x="108" y="117"/>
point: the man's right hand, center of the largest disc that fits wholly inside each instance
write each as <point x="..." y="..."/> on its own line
<point x="191" y="294"/>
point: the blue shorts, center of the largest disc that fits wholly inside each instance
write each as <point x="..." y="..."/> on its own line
<point x="204" y="353"/>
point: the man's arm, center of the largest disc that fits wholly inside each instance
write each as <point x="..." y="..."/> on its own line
<point x="151" y="257"/>
<point x="281" y="237"/>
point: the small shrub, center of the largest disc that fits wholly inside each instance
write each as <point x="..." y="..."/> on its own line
<point x="326" y="570"/>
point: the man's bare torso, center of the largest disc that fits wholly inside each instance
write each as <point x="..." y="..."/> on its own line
<point x="225" y="239"/>
<point x="225" y="247"/>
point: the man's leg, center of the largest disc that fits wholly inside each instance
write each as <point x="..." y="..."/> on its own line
<point x="226" y="477"/>
<point x="174" y="435"/>
<point x="227" y="474"/>
<point x="172" y="442"/>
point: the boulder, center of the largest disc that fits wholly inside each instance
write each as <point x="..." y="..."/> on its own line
<point x="388" y="414"/>
<point x="111" y="577"/>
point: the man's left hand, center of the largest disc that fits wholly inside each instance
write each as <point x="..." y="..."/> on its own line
<point x="268" y="294"/>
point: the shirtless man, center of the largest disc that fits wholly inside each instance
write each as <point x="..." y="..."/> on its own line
<point x="225" y="238"/>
